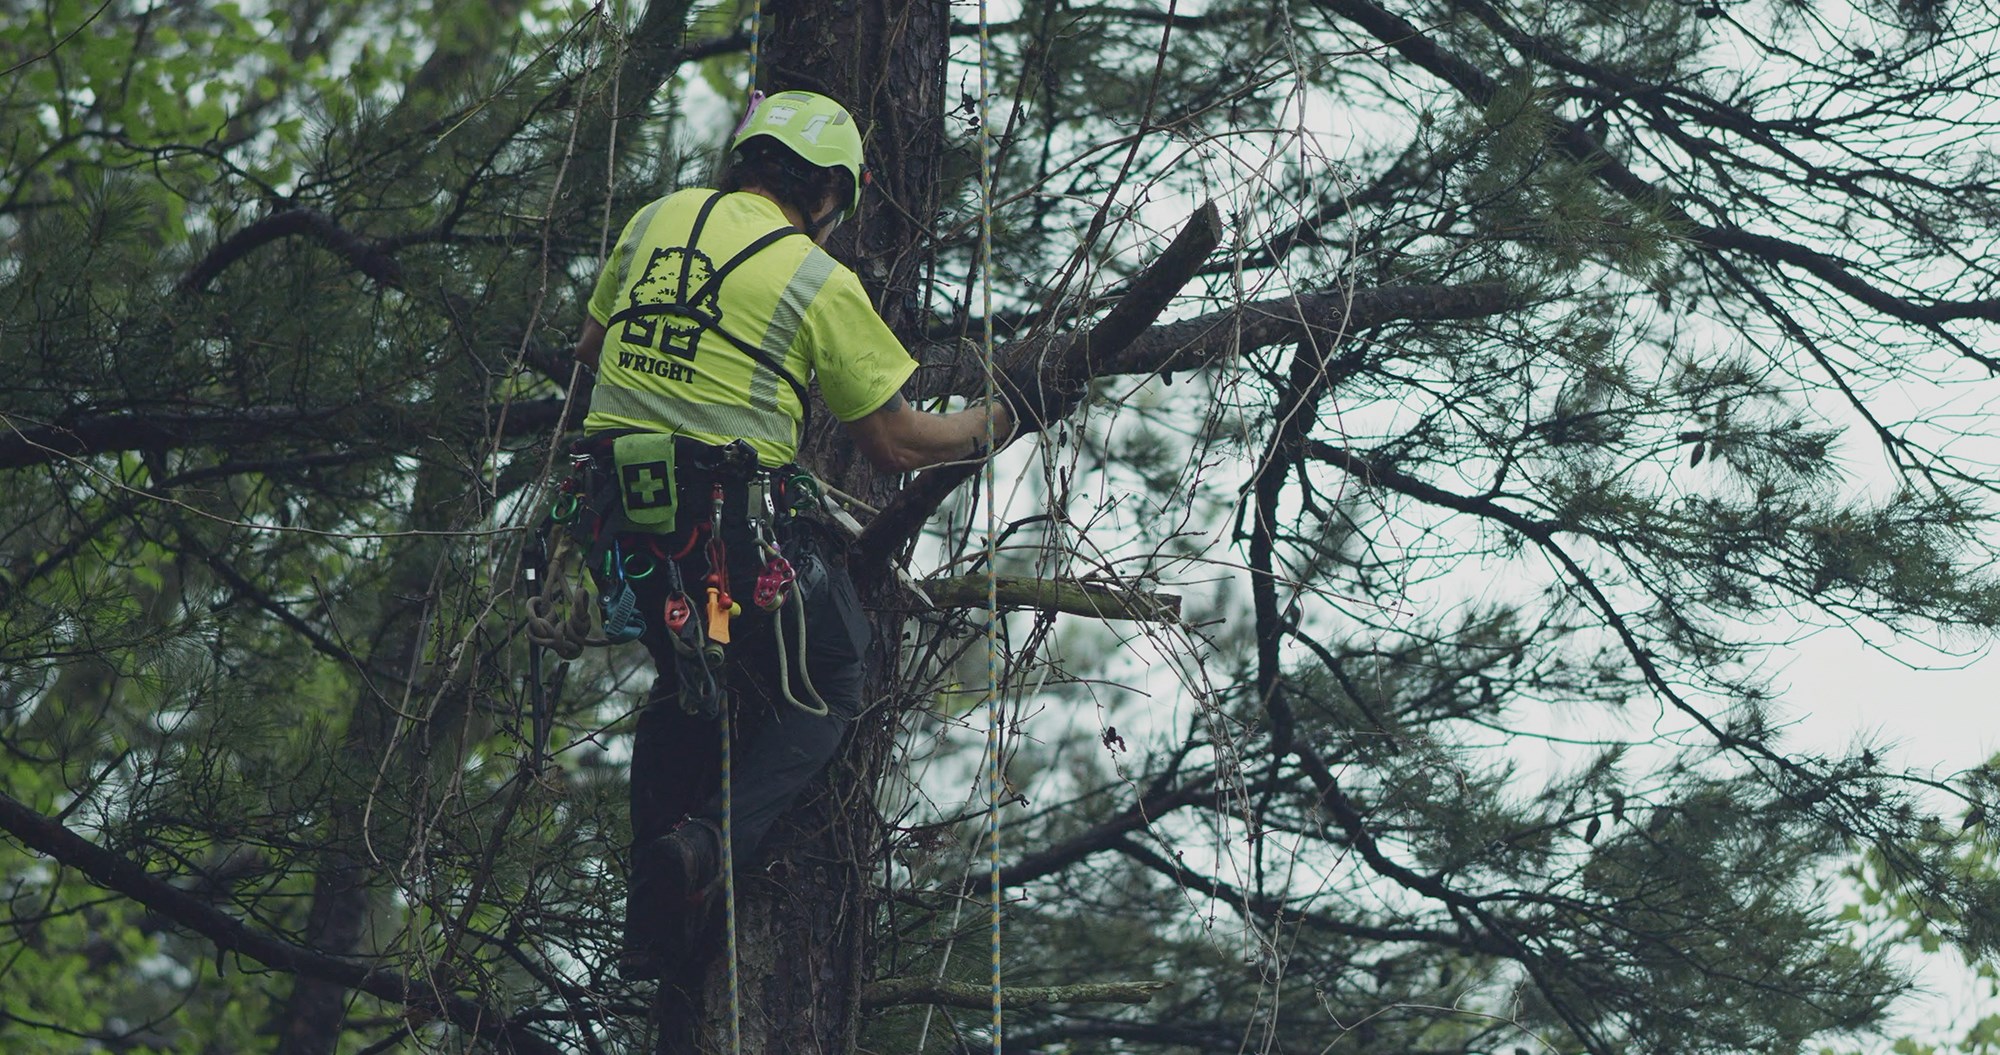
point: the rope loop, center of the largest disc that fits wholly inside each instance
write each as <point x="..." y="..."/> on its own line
<point x="559" y="615"/>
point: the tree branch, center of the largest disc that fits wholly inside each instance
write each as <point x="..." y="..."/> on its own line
<point x="890" y="992"/>
<point x="389" y="427"/>
<point x="1273" y="910"/>
<point x="1106" y="836"/>
<point x="364" y="256"/>
<point x="115" y="872"/>
<point x="1095" y="600"/>
<point x="1586" y="150"/>
<point x="1074" y="357"/>
<point x="1326" y="317"/>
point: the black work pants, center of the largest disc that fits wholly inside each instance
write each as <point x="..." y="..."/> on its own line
<point x="778" y="748"/>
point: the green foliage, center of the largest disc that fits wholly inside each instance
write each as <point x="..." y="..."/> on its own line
<point x="1467" y="741"/>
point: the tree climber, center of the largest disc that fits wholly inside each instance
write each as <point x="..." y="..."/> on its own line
<point x="713" y="312"/>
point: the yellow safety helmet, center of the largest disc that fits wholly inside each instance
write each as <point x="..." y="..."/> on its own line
<point x="814" y="127"/>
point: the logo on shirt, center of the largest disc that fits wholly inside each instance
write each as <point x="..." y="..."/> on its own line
<point x="677" y="276"/>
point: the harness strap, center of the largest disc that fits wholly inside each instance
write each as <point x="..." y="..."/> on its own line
<point x="712" y="323"/>
<point x="769" y="238"/>
<point x="694" y="237"/>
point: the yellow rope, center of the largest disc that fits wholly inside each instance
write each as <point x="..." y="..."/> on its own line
<point x="756" y="26"/>
<point x="729" y="889"/>
<point x="722" y="719"/>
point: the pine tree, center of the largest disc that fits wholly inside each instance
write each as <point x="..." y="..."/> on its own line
<point x="1483" y="398"/>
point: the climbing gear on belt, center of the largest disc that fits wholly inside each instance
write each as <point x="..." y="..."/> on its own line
<point x="777" y="576"/>
<point x="795" y="606"/>
<point x="622" y="621"/>
<point x="774" y="582"/>
<point x="698" y="673"/>
<point x="721" y="607"/>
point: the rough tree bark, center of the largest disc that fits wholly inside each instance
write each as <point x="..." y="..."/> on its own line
<point x="801" y="929"/>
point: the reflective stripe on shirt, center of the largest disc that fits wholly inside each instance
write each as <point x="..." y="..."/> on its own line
<point x="629" y="248"/>
<point x="786" y="319"/>
<point x="669" y="414"/>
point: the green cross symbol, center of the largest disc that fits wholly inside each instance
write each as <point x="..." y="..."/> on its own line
<point x="646" y="485"/>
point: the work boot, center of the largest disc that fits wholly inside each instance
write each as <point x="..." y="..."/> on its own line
<point x="671" y="878"/>
<point x="684" y="862"/>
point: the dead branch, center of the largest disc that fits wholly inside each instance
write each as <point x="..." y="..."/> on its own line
<point x="891" y="992"/>
<point x="1095" y="600"/>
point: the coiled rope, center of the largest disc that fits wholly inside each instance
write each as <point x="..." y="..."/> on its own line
<point x="565" y="633"/>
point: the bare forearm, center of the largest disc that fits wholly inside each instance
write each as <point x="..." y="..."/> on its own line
<point x="590" y="344"/>
<point x="900" y="438"/>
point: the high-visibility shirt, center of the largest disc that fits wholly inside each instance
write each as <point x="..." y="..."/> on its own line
<point x="800" y="307"/>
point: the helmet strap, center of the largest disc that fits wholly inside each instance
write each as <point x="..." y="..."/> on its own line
<point x="814" y="225"/>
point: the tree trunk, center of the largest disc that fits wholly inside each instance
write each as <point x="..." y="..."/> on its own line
<point x="803" y="921"/>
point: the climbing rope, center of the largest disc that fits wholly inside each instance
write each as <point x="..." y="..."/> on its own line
<point x="729" y="891"/>
<point x="722" y="718"/>
<point x="994" y="707"/>
<point x="756" y="25"/>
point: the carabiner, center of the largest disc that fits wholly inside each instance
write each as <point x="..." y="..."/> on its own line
<point x="807" y="486"/>
<point x="625" y="566"/>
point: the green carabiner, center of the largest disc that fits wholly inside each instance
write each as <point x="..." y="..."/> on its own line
<point x="565" y="508"/>
<point x="807" y="487"/>
<point x="625" y="565"/>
